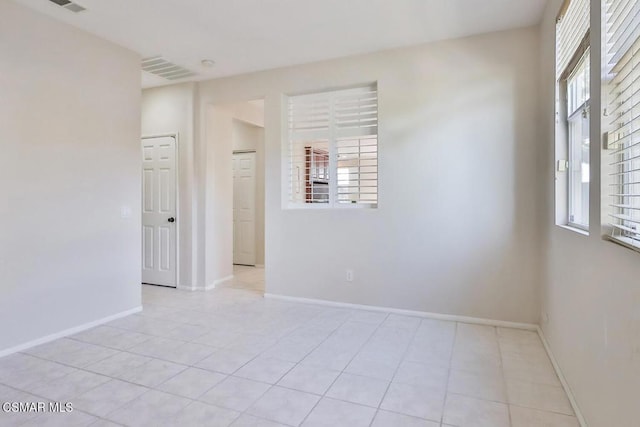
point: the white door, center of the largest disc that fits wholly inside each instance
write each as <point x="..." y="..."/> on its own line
<point x="244" y="208"/>
<point x="159" y="238"/>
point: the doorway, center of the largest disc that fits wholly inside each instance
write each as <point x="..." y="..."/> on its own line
<point x="248" y="157"/>
<point x="235" y="230"/>
<point x="159" y="216"/>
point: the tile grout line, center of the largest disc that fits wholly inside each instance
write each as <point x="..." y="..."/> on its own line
<point x="504" y="378"/>
<point x="446" y="389"/>
<point x="395" y="372"/>
<point x="346" y="366"/>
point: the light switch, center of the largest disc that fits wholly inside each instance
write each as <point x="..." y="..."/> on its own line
<point x="125" y="212"/>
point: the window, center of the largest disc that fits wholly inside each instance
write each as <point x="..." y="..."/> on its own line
<point x="572" y="137"/>
<point x="621" y="96"/>
<point x="578" y="144"/>
<point x="333" y="148"/>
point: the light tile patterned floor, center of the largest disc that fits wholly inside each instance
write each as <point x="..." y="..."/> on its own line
<point x="230" y="357"/>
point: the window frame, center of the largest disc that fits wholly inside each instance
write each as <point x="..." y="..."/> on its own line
<point x="332" y="141"/>
<point x="574" y="67"/>
<point x="580" y="56"/>
<point x="572" y="146"/>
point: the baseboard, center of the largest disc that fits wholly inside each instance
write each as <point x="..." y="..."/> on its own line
<point x="259" y="266"/>
<point x="67" y="332"/>
<point x="219" y="281"/>
<point x="423" y="314"/>
<point x="208" y="287"/>
<point x="563" y="380"/>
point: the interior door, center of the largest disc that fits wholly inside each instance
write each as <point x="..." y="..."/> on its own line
<point x="159" y="222"/>
<point x="244" y="208"/>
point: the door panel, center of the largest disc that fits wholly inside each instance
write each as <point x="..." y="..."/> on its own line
<point x="159" y="236"/>
<point x="165" y="249"/>
<point x="167" y="198"/>
<point x="244" y="208"/>
<point x="147" y="242"/>
<point x="147" y="190"/>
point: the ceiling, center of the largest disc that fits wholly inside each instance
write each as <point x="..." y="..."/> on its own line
<point x="250" y="35"/>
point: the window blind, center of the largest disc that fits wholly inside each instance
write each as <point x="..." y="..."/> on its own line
<point x="623" y="110"/>
<point x="333" y="147"/>
<point x="572" y="26"/>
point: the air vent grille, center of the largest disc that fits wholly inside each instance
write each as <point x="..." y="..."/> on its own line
<point x="69" y="5"/>
<point x="165" y="69"/>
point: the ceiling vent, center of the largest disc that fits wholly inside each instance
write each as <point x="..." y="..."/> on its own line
<point x="165" y="69"/>
<point x="69" y="5"/>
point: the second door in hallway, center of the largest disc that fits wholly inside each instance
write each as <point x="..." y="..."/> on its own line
<point x="244" y="208"/>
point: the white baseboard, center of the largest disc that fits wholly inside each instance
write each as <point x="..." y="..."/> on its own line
<point x="563" y="380"/>
<point x="423" y="314"/>
<point x="67" y="332"/>
<point x="208" y="287"/>
<point x="219" y="281"/>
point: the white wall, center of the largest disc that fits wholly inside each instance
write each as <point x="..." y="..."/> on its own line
<point x="247" y="136"/>
<point x="218" y="251"/>
<point x="591" y="293"/>
<point x="456" y="230"/>
<point x="70" y="121"/>
<point x="171" y="110"/>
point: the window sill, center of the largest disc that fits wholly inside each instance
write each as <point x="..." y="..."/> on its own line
<point x="574" y="229"/>
<point x="326" y="206"/>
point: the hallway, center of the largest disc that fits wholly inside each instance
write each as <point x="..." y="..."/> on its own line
<point x="246" y="277"/>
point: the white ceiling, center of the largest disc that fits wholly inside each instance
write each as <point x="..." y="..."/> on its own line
<point x="250" y="35"/>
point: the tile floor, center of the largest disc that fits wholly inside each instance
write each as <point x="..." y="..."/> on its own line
<point x="246" y="277"/>
<point x="230" y="357"/>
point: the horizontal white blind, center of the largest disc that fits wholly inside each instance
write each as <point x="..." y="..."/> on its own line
<point x="623" y="65"/>
<point x="333" y="147"/>
<point x="571" y="29"/>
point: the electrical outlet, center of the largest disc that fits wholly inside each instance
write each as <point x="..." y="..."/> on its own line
<point x="349" y="275"/>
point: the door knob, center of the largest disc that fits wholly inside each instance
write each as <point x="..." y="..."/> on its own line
<point x="172" y="219"/>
